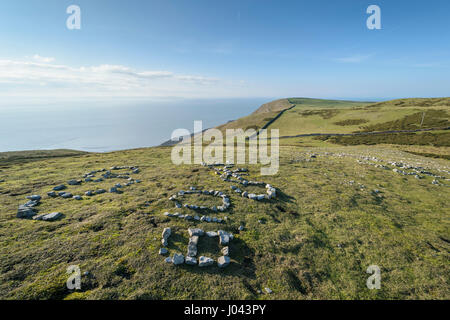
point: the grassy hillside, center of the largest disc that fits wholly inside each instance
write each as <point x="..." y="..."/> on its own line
<point x="304" y="116"/>
<point x="314" y="242"/>
<point x="347" y="117"/>
<point x="377" y="199"/>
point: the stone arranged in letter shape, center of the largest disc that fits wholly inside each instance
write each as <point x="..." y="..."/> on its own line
<point x="194" y="236"/>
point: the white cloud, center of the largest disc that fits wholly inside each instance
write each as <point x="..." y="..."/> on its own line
<point x="40" y="77"/>
<point x="358" y="58"/>
<point x="38" y="58"/>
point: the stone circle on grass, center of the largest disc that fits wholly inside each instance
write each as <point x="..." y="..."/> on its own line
<point x="227" y="175"/>
<point x="27" y="210"/>
<point x="192" y="190"/>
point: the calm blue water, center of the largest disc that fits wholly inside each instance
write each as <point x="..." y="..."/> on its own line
<point x="106" y="127"/>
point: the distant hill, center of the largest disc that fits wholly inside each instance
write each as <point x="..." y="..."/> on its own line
<point x="33" y="155"/>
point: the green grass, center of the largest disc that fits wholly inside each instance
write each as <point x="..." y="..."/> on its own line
<point x="317" y="241"/>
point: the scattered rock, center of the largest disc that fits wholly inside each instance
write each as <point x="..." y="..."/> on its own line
<point x="48" y="217"/>
<point x="34" y="198"/>
<point x="25" y="212"/>
<point x="52" y="194"/>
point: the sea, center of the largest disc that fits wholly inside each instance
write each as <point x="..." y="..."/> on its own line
<point x="111" y="125"/>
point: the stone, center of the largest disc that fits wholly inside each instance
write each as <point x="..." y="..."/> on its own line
<point x="205" y="261"/>
<point x="241" y="228"/>
<point x="178" y="259"/>
<point x="195" y="232"/>
<point x="89" y="193"/>
<point x="73" y="182"/>
<point x="226" y="251"/>
<point x="163" y="251"/>
<point x="190" y="261"/>
<point x="49" y="217"/>
<point x="193" y="240"/>
<point x="245" y="194"/>
<point x="268" y="290"/>
<point x="59" y="188"/>
<point x="192" y="250"/>
<point x="211" y="234"/>
<point x="34" y="198"/>
<point x="223" y="261"/>
<point x="67" y="195"/>
<point x="224" y="237"/>
<point x="31" y="203"/>
<point x="113" y="190"/>
<point x="25" y="212"/>
<point x="168" y="260"/>
<point x="77" y="197"/>
<point x="166" y="233"/>
<point x="52" y="194"/>
<point x="100" y="191"/>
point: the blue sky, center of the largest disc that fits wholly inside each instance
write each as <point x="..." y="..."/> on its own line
<point x="216" y="49"/>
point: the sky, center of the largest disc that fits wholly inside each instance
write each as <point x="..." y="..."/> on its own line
<point x="165" y="49"/>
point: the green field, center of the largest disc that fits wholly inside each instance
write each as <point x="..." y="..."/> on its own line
<point x="337" y="212"/>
